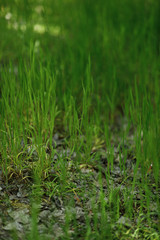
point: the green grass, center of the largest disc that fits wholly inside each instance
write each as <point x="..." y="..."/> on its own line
<point x="76" y="68"/>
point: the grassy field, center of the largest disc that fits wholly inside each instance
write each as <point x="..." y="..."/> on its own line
<point x="79" y="119"/>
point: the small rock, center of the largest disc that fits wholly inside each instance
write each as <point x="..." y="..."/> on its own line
<point x="124" y="221"/>
<point x="13" y="226"/>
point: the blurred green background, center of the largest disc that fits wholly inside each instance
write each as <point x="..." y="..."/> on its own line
<point x="121" y="38"/>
